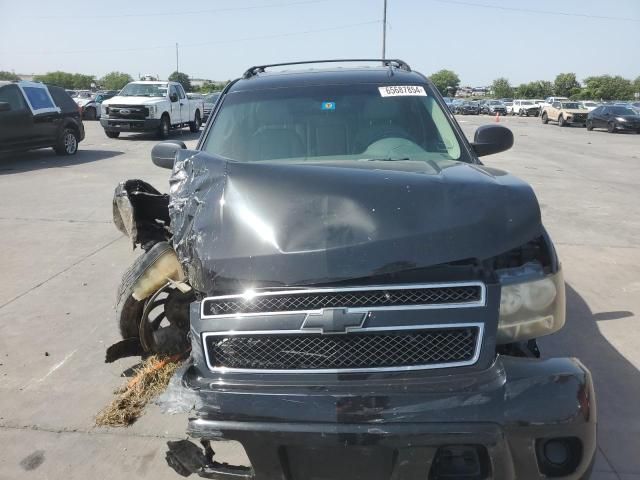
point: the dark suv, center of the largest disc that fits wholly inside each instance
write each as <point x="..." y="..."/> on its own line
<point x="366" y="295"/>
<point x="33" y="115"/>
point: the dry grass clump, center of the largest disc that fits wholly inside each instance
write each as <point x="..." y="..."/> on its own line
<point x="150" y="380"/>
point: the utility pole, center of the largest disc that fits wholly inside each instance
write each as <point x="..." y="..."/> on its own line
<point x="384" y="31"/>
<point x="177" y="64"/>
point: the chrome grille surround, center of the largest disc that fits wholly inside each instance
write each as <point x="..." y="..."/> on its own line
<point x="468" y="349"/>
<point x="355" y="299"/>
<point x="348" y="300"/>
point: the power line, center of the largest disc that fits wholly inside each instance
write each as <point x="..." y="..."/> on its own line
<point x="200" y="44"/>
<point x="543" y="12"/>
<point x="181" y="13"/>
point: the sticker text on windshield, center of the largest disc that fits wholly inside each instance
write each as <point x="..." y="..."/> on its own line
<point x="402" y="91"/>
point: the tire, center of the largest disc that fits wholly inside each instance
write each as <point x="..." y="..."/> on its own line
<point x="128" y="309"/>
<point x="67" y="142"/>
<point x="561" y="122"/>
<point x="589" y="125"/>
<point x="544" y="119"/>
<point x="165" y="127"/>
<point x="90" y="113"/>
<point x="611" y="127"/>
<point x="112" y="134"/>
<point x="196" y="124"/>
<point x="520" y="113"/>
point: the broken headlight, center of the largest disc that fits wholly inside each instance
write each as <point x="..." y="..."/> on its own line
<point x="532" y="303"/>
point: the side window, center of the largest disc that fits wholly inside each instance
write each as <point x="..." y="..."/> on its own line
<point x="11" y="94"/>
<point x="173" y="91"/>
<point x="38" y="98"/>
<point x="555" y="104"/>
<point x="180" y="91"/>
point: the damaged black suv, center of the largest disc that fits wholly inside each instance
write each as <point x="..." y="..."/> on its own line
<point x="362" y="296"/>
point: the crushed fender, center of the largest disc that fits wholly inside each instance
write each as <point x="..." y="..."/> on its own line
<point x="149" y="381"/>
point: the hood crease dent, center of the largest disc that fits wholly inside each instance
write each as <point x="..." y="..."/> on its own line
<point x="268" y="224"/>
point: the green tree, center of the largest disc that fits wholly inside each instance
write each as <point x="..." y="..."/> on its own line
<point x="208" y="86"/>
<point x="66" y="80"/>
<point x="501" y="88"/>
<point x="544" y="89"/>
<point x="636" y="85"/>
<point x="446" y="81"/>
<point x="12" y="77"/>
<point x="566" y="85"/>
<point x="181" y="78"/>
<point x="115" y="80"/>
<point x="606" y="87"/>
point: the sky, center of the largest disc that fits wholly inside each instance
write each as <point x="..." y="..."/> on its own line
<point x="480" y="40"/>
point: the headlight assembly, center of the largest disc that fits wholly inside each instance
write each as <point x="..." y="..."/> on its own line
<point x="152" y="111"/>
<point x="531" y="304"/>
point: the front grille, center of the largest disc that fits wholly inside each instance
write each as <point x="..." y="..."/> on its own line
<point x="301" y="300"/>
<point x="136" y="112"/>
<point x="580" y="117"/>
<point x="427" y="348"/>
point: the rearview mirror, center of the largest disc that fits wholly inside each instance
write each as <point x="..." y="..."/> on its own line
<point x="5" y="107"/>
<point x="490" y="139"/>
<point x="164" y="154"/>
<point x="173" y="97"/>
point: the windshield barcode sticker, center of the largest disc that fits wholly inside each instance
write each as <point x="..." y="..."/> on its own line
<point x="402" y="91"/>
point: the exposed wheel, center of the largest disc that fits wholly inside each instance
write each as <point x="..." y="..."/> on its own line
<point x="561" y="122"/>
<point x="611" y="127"/>
<point x="67" y="142"/>
<point x="521" y="112"/>
<point x="544" y="118"/>
<point x="90" y="113"/>
<point x="164" y="327"/>
<point x="196" y="124"/>
<point x="589" y="125"/>
<point x="112" y="134"/>
<point x="165" y="127"/>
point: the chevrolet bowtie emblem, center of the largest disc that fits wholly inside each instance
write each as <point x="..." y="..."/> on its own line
<point x="334" y="320"/>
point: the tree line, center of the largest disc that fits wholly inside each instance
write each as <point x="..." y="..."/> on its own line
<point x="111" y="81"/>
<point x="600" y="87"/>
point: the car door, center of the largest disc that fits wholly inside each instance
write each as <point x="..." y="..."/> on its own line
<point x="174" y="102"/>
<point x="596" y="116"/>
<point x="185" y="114"/>
<point x="554" y="111"/>
<point x="47" y="116"/>
<point x="16" y="123"/>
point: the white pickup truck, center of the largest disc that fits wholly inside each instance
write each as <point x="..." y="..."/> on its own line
<point x="151" y="107"/>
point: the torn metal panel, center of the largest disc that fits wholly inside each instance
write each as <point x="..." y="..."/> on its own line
<point x="141" y="212"/>
<point x="238" y="225"/>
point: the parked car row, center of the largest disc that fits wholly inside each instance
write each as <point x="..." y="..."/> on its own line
<point x="613" y="118"/>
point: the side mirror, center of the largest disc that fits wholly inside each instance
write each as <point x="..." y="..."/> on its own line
<point x="164" y="154"/>
<point x="490" y="139"/>
<point x="173" y="97"/>
<point x="5" y="107"/>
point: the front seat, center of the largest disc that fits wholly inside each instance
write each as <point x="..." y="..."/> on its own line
<point x="276" y="137"/>
<point x="383" y="121"/>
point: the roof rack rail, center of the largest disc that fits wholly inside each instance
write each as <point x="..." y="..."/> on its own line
<point x="387" y="62"/>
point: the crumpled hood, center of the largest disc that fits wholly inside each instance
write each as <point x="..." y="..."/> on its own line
<point x="273" y="224"/>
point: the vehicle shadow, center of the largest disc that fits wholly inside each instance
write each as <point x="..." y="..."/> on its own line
<point x="184" y="135"/>
<point x="616" y="380"/>
<point x="20" y="162"/>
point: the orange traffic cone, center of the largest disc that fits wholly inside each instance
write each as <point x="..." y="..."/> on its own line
<point x="498" y="117"/>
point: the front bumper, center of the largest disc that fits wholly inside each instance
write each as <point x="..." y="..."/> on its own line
<point x="397" y="426"/>
<point x="126" y="125"/>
